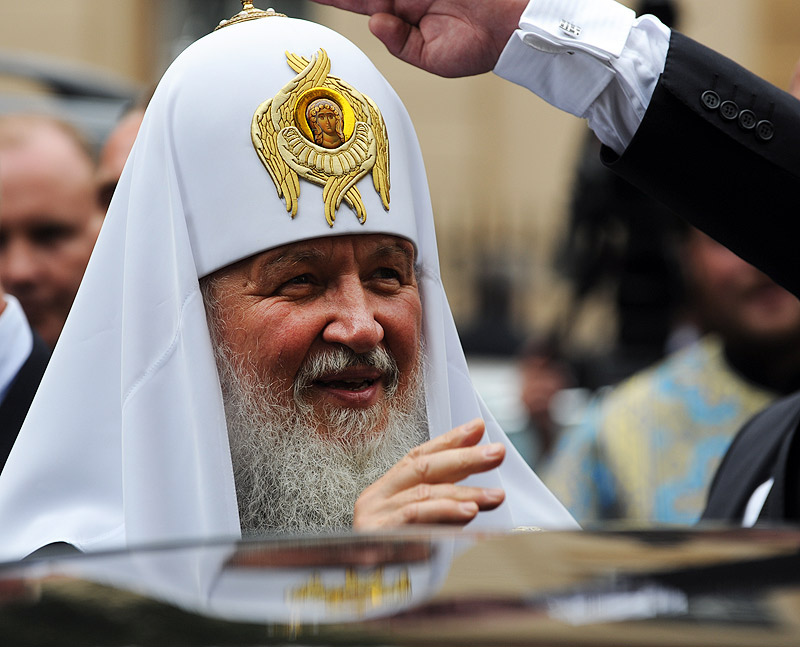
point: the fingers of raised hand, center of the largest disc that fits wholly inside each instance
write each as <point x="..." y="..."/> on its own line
<point x="448" y="465"/>
<point x="422" y="488"/>
<point x="436" y="462"/>
<point x="430" y="504"/>
<point x="465" y="435"/>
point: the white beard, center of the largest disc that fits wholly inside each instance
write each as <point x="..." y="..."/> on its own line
<point x="289" y="477"/>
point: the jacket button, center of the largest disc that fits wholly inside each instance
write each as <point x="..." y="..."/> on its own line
<point x="728" y="110"/>
<point x="710" y="100"/>
<point x="765" y="130"/>
<point x="747" y="120"/>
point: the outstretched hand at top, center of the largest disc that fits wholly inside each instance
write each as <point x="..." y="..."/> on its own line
<point x="446" y="37"/>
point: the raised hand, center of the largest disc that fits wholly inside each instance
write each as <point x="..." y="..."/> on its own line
<point x="421" y="488"/>
<point x="447" y="37"/>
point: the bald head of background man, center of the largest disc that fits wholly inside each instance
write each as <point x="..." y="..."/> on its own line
<point x="49" y="217"/>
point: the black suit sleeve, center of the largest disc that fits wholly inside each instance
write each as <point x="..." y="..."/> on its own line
<point x="721" y="147"/>
<point x="18" y="399"/>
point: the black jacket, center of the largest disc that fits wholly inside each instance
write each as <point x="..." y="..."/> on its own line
<point x="15" y="406"/>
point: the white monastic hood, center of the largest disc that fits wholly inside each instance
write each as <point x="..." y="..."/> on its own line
<point x="126" y="442"/>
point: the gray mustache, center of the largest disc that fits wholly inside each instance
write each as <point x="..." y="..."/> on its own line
<point x="341" y="358"/>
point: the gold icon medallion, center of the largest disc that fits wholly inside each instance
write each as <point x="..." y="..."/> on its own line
<point x="321" y="129"/>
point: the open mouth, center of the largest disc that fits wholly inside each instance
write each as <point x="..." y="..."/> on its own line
<point x="346" y="385"/>
<point x="354" y="378"/>
<point x="346" y="378"/>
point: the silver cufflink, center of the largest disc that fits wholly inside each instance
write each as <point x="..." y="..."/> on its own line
<point x="569" y="28"/>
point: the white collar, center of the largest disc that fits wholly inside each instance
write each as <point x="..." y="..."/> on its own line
<point x="16" y="342"/>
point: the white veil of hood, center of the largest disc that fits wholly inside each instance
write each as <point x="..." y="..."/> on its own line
<point x="125" y="442"/>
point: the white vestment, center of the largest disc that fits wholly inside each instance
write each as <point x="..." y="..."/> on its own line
<point x="126" y="441"/>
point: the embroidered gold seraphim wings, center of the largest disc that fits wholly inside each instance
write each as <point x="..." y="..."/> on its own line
<point x="323" y="130"/>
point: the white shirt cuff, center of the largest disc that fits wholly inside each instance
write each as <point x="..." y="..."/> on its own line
<point x="591" y="58"/>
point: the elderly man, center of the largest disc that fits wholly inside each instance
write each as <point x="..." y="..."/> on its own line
<point x="263" y="321"/>
<point x="49" y="217"/>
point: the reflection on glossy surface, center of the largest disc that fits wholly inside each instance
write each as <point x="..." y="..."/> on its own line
<point x="669" y="587"/>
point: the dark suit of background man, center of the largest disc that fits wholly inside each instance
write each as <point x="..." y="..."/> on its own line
<point x="23" y="358"/>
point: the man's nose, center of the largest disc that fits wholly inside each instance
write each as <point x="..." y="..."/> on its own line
<point x="352" y="321"/>
<point x="18" y="265"/>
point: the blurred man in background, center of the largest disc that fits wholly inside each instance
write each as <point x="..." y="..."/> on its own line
<point x="23" y="358"/>
<point x="49" y="217"/>
<point x="115" y="153"/>
<point x="647" y="450"/>
<point x="546" y="377"/>
<point x="117" y="147"/>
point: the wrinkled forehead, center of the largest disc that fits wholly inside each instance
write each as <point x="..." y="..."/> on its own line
<point x="248" y="178"/>
<point x="330" y="252"/>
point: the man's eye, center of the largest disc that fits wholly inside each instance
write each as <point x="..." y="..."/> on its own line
<point x="301" y="281"/>
<point x="387" y="273"/>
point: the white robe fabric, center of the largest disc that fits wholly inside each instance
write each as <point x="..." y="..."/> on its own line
<point x="126" y="443"/>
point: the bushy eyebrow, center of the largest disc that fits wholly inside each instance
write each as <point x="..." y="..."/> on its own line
<point x="288" y="259"/>
<point x="394" y="249"/>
